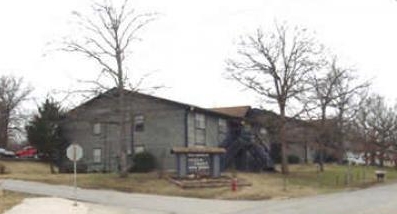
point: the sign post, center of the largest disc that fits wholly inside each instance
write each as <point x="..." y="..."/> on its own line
<point x="2" y="199"/>
<point x="74" y="152"/>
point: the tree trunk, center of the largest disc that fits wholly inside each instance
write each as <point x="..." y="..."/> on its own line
<point x="306" y="161"/>
<point x="123" y="147"/>
<point x="321" y="158"/>
<point x="284" y="159"/>
<point x="395" y="162"/>
<point x="123" y="144"/>
<point x="373" y="159"/>
<point x="50" y="161"/>
<point x="366" y="156"/>
<point x="323" y="139"/>
<point x="381" y="159"/>
<point x="3" y="137"/>
<point x="122" y="141"/>
<point x="4" y="123"/>
<point x="52" y="168"/>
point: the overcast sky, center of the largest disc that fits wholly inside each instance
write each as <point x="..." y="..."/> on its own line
<point x="187" y="46"/>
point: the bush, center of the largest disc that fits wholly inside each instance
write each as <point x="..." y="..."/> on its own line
<point x="143" y="162"/>
<point x="2" y="169"/>
<point x="331" y="159"/>
<point x="293" y="159"/>
<point x="328" y="158"/>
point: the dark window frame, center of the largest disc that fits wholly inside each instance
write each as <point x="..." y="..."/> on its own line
<point x="139" y="123"/>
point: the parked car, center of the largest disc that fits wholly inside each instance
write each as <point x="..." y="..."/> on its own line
<point x="354" y="159"/>
<point x="6" y="153"/>
<point x="27" y="152"/>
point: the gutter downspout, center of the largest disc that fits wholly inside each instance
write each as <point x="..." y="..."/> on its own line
<point x="186" y="126"/>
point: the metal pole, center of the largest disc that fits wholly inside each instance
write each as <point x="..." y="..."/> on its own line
<point x="2" y="197"/>
<point x="318" y="176"/>
<point x="75" y="183"/>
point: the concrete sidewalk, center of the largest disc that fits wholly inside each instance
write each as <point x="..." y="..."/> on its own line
<point x="140" y="203"/>
<point x="62" y="206"/>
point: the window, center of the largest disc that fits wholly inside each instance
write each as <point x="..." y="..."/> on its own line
<point x="139" y="123"/>
<point x="200" y="136"/>
<point x="139" y="149"/>
<point x="97" y="152"/>
<point x="222" y="126"/>
<point x="200" y="121"/>
<point x="263" y="131"/>
<point x="96" y="129"/>
<point x="199" y="129"/>
<point x="222" y="129"/>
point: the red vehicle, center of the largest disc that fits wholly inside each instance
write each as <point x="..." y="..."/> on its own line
<point x="27" y="152"/>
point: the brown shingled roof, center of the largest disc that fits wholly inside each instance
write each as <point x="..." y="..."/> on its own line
<point x="236" y="111"/>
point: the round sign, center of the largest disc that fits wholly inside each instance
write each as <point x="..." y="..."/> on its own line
<point x="74" y="152"/>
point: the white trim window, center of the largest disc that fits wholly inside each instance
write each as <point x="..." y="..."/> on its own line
<point x="139" y="149"/>
<point x="96" y="128"/>
<point x="199" y="129"/>
<point x="97" y="155"/>
<point x="222" y="129"/>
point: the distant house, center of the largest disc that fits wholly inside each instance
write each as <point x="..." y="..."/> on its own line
<point x="154" y="125"/>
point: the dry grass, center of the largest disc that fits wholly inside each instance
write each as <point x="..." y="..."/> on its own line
<point x="336" y="177"/>
<point x="9" y="199"/>
<point x="303" y="180"/>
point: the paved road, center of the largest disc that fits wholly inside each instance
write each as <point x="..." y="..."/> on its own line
<point x="376" y="200"/>
<point x="141" y="203"/>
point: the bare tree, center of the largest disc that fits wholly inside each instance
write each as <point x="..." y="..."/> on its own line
<point x="333" y="89"/>
<point x="349" y="92"/>
<point x="323" y="94"/>
<point x="361" y="125"/>
<point x="382" y="122"/>
<point x="107" y="39"/>
<point x="276" y="66"/>
<point x="12" y="93"/>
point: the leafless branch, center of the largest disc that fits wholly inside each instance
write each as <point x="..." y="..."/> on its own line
<point x="108" y="37"/>
<point x="13" y="92"/>
<point x="276" y="66"/>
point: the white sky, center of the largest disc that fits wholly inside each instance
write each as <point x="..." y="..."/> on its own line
<point x="188" y="45"/>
